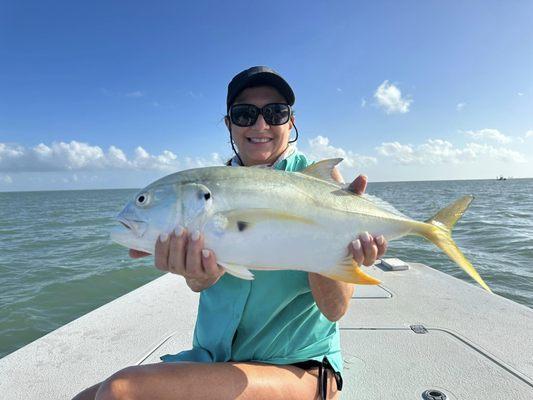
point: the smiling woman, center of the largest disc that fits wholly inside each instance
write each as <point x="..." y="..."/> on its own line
<point x="260" y="142"/>
<point x="275" y="337"/>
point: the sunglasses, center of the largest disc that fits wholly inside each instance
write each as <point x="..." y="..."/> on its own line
<point x="244" y="115"/>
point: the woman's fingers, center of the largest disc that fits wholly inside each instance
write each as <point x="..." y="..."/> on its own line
<point x="177" y="251"/>
<point x="193" y="262"/>
<point x="381" y="242"/>
<point x="184" y="255"/>
<point x="357" y="252"/>
<point x="358" y="186"/>
<point x="161" y="252"/>
<point x="209" y="263"/>
<point x="370" y="249"/>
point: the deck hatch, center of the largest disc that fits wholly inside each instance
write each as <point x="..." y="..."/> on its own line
<point x="379" y="360"/>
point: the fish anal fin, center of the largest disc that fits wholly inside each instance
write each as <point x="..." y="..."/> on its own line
<point x="352" y="273"/>
<point x="237" y="270"/>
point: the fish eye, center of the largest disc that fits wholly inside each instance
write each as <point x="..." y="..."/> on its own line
<point x="142" y="199"/>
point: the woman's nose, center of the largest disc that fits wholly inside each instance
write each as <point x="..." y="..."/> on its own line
<point x="260" y="123"/>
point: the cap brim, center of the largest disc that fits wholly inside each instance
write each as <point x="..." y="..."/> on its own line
<point x="264" y="79"/>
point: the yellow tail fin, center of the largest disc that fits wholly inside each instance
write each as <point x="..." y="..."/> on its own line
<point x="438" y="230"/>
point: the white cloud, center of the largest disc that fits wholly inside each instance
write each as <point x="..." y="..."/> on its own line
<point x="438" y="151"/>
<point x="199" y="162"/>
<point x="78" y="156"/>
<point x="6" y="179"/>
<point x="529" y="133"/>
<point x="320" y="149"/>
<point x="489" y="134"/>
<point x="135" y="94"/>
<point x="520" y="94"/>
<point x="402" y="153"/>
<point x="389" y="97"/>
<point x="460" y="106"/>
<point x="339" y="89"/>
<point x="363" y="103"/>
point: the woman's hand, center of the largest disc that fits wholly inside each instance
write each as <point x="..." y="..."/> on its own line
<point x="183" y="254"/>
<point x="366" y="249"/>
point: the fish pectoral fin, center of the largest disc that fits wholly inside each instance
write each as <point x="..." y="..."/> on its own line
<point x="323" y="170"/>
<point x="349" y="271"/>
<point x="237" y="270"/>
<point x="244" y="219"/>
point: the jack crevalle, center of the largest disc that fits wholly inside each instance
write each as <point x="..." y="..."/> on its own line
<point x="258" y="218"/>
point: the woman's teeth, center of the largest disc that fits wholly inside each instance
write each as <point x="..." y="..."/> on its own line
<point x="259" y="140"/>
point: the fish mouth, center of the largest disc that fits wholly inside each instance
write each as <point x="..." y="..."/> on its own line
<point x="137" y="227"/>
<point x="125" y="224"/>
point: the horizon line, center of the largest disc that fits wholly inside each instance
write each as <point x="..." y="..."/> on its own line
<point x="370" y="183"/>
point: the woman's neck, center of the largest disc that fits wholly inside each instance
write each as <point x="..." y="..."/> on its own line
<point x="268" y="162"/>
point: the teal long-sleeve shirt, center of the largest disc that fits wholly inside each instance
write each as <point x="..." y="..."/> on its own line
<point x="272" y="319"/>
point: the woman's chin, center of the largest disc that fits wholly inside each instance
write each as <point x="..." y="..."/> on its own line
<point x="261" y="158"/>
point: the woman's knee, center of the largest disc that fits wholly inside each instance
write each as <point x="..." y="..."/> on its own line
<point x="122" y="385"/>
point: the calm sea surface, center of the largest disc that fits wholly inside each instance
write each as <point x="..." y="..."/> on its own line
<point x="57" y="262"/>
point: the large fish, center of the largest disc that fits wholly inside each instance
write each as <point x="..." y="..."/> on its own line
<point x="257" y="218"/>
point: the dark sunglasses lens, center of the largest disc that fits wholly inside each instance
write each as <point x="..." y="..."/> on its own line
<point x="276" y="114"/>
<point x="244" y="115"/>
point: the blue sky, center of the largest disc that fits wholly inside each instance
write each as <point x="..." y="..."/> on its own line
<point x="401" y="90"/>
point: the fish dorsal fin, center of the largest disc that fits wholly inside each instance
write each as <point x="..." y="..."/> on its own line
<point x="323" y="170"/>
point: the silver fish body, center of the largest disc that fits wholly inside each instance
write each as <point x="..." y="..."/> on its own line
<point x="256" y="218"/>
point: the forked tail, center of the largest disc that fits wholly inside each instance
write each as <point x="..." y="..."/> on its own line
<point x="438" y="229"/>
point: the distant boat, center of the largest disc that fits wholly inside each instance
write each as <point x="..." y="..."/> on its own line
<point x="501" y="178"/>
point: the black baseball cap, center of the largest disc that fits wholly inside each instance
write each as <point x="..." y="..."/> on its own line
<point x="258" y="76"/>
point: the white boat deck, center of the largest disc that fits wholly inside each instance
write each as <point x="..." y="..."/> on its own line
<point x="419" y="330"/>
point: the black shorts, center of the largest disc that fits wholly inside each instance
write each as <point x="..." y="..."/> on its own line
<point x="323" y="368"/>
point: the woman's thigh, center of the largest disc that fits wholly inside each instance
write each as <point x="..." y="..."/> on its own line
<point x="242" y="381"/>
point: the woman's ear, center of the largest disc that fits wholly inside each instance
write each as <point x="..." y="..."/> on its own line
<point x="292" y="119"/>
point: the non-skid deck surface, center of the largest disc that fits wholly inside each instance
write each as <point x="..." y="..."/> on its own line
<point x="420" y="330"/>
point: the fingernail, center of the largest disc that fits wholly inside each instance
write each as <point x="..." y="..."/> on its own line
<point x="380" y="240"/>
<point x="195" y="236"/>
<point x="179" y="231"/>
<point x="163" y="237"/>
<point x="365" y="236"/>
<point x="356" y="244"/>
<point x="205" y="253"/>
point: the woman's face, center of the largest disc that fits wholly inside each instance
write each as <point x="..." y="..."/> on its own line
<point x="253" y="149"/>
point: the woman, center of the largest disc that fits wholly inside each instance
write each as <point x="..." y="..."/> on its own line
<point x="271" y="338"/>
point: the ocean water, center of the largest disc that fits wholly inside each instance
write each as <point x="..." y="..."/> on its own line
<point x="57" y="262"/>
